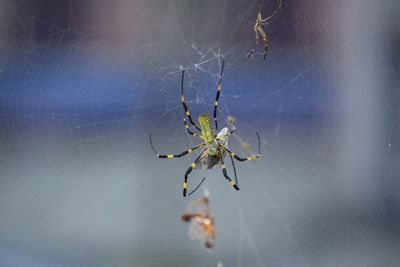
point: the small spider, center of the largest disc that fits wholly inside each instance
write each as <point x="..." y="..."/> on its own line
<point x="258" y="29"/>
<point x="215" y="144"/>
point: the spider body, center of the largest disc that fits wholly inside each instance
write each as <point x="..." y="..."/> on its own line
<point x="215" y="145"/>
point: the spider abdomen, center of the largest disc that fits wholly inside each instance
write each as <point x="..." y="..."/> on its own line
<point x="206" y="128"/>
<point x="212" y="161"/>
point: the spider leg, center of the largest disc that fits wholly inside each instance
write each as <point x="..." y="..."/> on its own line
<point x="189" y="131"/>
<point x="234" y="170"/>
<point x="189" y="170"/>
<point x="266" y="41"/>
<point x="255" y="157"/>
<point x="176" y="155"/>
<point x="218" y="94"/>
<point x="197" y="187"/>
<point x="225" y="173"/>
<point x="240" y="158"/>
<point x="232" y="131"/>
<point x="254" y="47"/>
<point x="187" y="112"/>
<point x="274" y="13"/>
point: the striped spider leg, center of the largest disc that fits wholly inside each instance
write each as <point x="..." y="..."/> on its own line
<point x="171" y="156"/>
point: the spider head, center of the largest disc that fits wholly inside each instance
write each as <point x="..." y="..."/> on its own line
<point x="206" y="129"/>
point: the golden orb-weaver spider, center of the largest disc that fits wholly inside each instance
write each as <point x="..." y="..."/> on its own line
<point x="215" y="144"/>
<point x="258" y="29"/>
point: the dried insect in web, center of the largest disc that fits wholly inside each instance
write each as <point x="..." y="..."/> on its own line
<point x="215" y="144"/>
<point x="258" y="29"/>
<point x="202" y="227"/>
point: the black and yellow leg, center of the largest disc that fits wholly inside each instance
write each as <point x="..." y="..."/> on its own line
<point x="185" y="107"/>
<point x="228" y="134"/>
<point x="218" y="94"/>
<point x="173" y="156"/>
<point x="234" y="170"/>
<point x="255" y="157"/>
<point x="189" y="131"/>
<point x="180" y="154"/>
<point x="231" y="132"/>
<point x="188" y="171"/>
<point x="223" y="167"/>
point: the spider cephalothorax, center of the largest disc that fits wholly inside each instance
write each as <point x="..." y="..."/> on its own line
<point x="215" y="145"/>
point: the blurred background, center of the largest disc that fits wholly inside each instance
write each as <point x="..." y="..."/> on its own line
<point x="83" y="83"/>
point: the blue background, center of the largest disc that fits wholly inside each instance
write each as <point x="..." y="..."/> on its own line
<point x="83" y="83"/>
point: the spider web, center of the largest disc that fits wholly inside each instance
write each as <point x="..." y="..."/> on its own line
<point x="85" y="82"/>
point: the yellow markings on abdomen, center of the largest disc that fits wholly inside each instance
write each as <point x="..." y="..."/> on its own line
<point x="205" y="125"/>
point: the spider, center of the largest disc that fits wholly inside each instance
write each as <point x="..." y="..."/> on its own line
<point x="258" y="29"/>
<point x="215" y="144"/>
